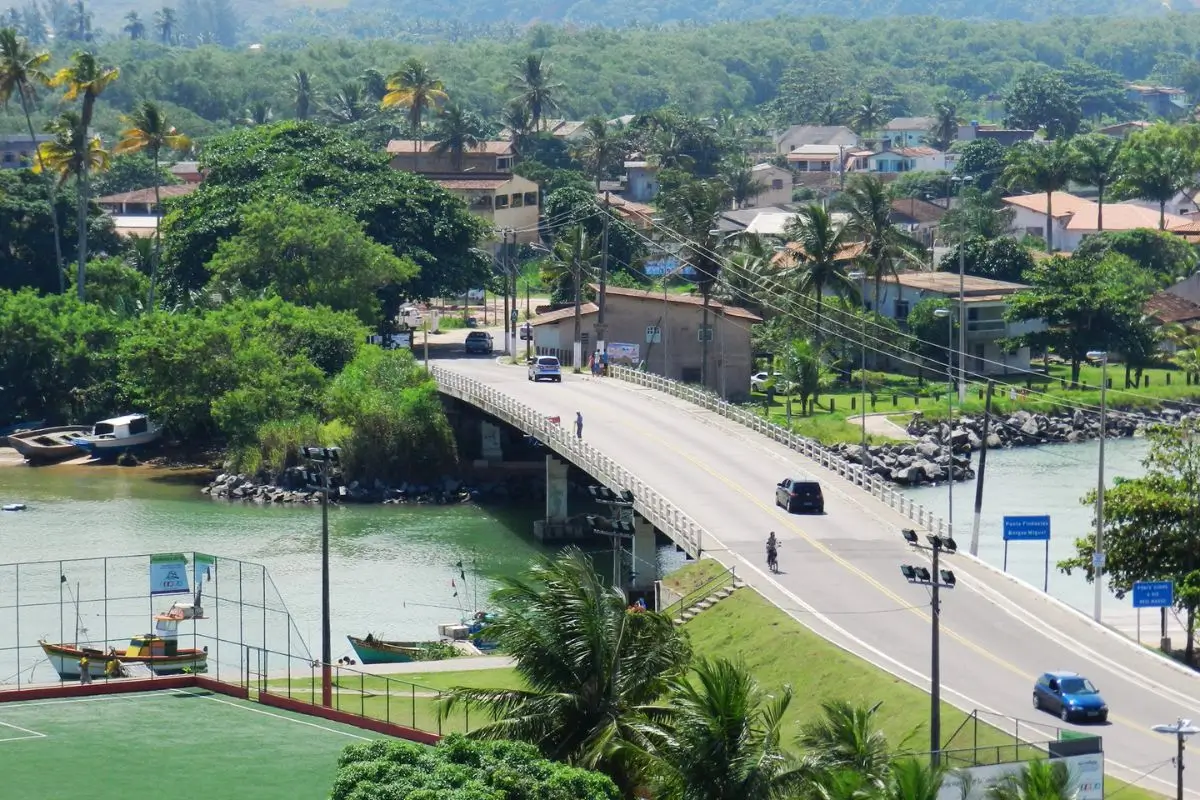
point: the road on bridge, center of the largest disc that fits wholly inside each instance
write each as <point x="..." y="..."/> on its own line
<point x="840" y="571"/>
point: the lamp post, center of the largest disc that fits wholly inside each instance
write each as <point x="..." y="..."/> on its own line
<point x="861" y="277"/>
<point x="1180" y="729"/>
<point x="329" y="458"/>
<point x="945" y="312"/>
<point x="619" y="527"/>
<point x="935" y="579"/>
<point x="1098" y="552"/>
<point x="964" y="180"/>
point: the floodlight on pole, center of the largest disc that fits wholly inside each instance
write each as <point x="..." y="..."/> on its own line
<point x="1180" y="729"/>
<point x="1098" y="550"/>
<point x="328" y="458"/>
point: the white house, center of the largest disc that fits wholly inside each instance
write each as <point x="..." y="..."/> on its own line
<point x="919" y="158"/>
<point x="1076" y="217"/>
<point x="907" y="131"/>
<point x="776" y="184"/>
<point x="1183" y="203"/>
<point x="798" y="135"/>
<point x="641" y="181"/>
<point x="985" y="300"/>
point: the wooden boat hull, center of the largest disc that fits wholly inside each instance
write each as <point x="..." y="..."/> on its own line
<point x="47" y="444"/>
<point x="65" y="660"/>
<point x="378" y="651"/>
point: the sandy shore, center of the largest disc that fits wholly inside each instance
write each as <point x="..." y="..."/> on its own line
<point x="192" y="473"/>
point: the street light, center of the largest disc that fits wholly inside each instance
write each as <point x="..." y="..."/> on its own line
<point x="935" y="578"/>
<point x="964" y="180"/>
<point x="329" y="458"/>
<point x="1180" y="729"/>
<point x="861" y="277"/>
<point x="1098" y="553"/>
<point x="619" y="527"/>
<point x="945" y="312"/>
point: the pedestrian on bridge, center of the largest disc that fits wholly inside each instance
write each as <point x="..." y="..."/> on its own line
<point x="578" y="424"/>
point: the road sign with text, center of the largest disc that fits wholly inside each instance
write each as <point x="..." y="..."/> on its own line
<point x="1027" y="529"/>
<point x="1153" y="594"/>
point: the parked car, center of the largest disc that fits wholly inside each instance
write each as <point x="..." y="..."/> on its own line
<point x="545" y="368"/>
<point x="1071" y="696"/>
<point x="758" y="383"/>
<point x="478" y="342"/>
<point x="799" y="494"/>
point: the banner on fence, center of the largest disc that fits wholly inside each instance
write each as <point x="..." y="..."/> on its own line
<point x="204" y="566"/>
<point x="168" y="573"/>
<point x="1086" y="771"/>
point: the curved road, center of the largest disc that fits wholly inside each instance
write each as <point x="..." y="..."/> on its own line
<point x="840" y="572"/>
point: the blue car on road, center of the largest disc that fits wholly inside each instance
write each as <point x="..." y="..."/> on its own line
<point x="1071" y="696"/>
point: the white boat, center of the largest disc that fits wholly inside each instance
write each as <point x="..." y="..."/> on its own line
<point x="111" y="437"/>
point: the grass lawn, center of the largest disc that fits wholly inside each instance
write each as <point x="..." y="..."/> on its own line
<point x="692" y="576"/>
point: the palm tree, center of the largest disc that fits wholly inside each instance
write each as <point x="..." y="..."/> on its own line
<point x="866" y="201"/>
<point x="1040" y="780"/>
<point x="257" y="113"/>
<point x="347" y="104"/>
<point x="867" y="116"/>
<point x="165" y="21"/>
<point x="149" y="130"/>
<point x="134" y="26"/>
<point x="910" y="779"/>
<point x="738" y="173"/>
<point x="85" y="78"/>
<point x="599" y="149"/>
<point x="1096" y="159"/>
<point x="592" y="667"/>
<point x="457" y="131"/>
<point x="845" y="737"/>
<point x="516" y="118"/>
<point x="818" y="258"/>
<point x="1042" y="168"/>
<point x="945" y="125"/>
<point x="803" y="369"/>
<point x="574" y="257"/>
<point x="21" y="72"/>
<point x="1156" y="173"/>
<point x="374" y="84"/>
<point x="302" y="85"/>
<point x="537" y="91"/>
<point x="721" y="737"/>
<point x="415" y="87"/>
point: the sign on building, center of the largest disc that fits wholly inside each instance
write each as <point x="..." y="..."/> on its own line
<point x="1086" y="771"/>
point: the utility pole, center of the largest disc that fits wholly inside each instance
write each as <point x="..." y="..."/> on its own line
<point x="601" y="328"/>
<point x="513" y="267"/>
<point x="504" y="279"/>
<point x="328" y="458"/>
<point x="1098" y="550"/>
<point x="1180" y="729"/>
<point x="983" y="448"/>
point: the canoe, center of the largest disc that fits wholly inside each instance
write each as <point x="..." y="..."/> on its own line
<point x="47" y="444"/>
<point x="378" y="651"/>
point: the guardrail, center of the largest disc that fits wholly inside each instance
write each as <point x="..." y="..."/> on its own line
<point x="855" y="473"/>
<point x="665" y="516"/>
<point x="726" y="577"/>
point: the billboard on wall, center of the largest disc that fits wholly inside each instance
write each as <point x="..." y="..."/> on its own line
<point x="1087" y="775"/>
<point x="623" y="354"/>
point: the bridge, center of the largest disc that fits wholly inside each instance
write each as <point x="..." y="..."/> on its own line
<point x="704" y="474"/>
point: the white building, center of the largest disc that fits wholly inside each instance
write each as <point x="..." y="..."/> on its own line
<point x="919" y="158"/>
<point x="776" y="184"/>
<point x="798" y="135"/>
<point x="1076" y="217"/>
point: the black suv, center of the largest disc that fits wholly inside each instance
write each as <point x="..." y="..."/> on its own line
<point x="478" y="342"/>
<point x="796" y="494"/>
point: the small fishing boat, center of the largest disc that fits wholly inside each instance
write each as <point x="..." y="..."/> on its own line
<point x="159" y="651"/>
<point x="379" y="651"/>
<point x="44" y="445"/>
<point x="17" y="427"/>
<point x="111" y="437"/>
<point x="472" y="629"/>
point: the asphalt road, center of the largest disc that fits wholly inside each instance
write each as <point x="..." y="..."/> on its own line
<point x="840" y="571"/>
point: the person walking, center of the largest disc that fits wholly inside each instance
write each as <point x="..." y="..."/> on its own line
<point x="578" y="424"/>
<point x="85" y="675"/>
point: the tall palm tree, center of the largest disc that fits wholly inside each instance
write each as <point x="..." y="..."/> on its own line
<point x="536" y="89"/>
<point x="1042" y="168"/>
<point x="86" y="79"/>
<point x="134" y="26"/>
<point x="416" y="88"/>
<point x="348" y="104"/>
<point x="599" y="148"/>
<point x="867" y="116"/>
<point x="945" y="125"/>
<point x="721" y="739"/>
<point x="1156" y="173"/>
<point x="165" y="21"/>
<point x="1096" y="163"/>
<point x="305" y="95"/>
<point x="374" y="84"/>
<point x="516" y="118"/>
<point x="259" y="112"/>
<point x="1040" y="780"/>
<point x="593" y="668"/>
<point x="817" y="261"/>
<point x="22" y="70"/>
<point x="866" y="201"/>
<point x="149" y="130"/>
<point x="574" y="256"/>
<point x="457" y="131"/>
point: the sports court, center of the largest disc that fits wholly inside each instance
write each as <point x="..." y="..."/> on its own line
<point x="188" y="742"/>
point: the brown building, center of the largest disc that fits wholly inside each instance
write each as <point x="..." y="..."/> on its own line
<point x="662" y="332"/>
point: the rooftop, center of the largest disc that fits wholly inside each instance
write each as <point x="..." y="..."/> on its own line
<point x="1063" y="204"/>
<point x="147" y="195"/>
<point x="946" y="283"/>
<point x="910" y="124"/>
<point x="816" y="134"/>
<point x="565" y="313"/>
<point x="679" y="299"/>
<point x="470" y="182"/>
<point x="917" y="211"/>
<point x="410" y="146"/>
<point x="1120" y="217"/>
<point x="809" y="152"/>
<point x="1167" y="308"/>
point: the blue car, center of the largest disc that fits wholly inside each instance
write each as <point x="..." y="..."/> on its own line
<point x="1071" y="696"/>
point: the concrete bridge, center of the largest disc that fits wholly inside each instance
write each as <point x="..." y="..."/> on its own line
<point x="704" y="474"/>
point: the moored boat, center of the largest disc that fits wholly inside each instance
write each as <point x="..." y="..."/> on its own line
<point x="379" y="651"/>
<point x="111" y="437"/>
<point x="47" y="444"/>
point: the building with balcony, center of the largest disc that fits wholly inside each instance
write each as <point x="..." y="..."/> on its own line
<point x="489" y="157"/>
<point x="505" y="201"/>
<point x="16" y="150"/>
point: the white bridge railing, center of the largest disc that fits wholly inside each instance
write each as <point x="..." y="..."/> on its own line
<point x="855" y="473"/>
<point x="665" y="516"/>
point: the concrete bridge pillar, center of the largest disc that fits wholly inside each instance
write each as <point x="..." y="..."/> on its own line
<point x="556" y="489"/>
<point x="645" y="555"/>
<point x="491" y="449"/>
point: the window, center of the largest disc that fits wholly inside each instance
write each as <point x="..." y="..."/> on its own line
<point x="9" y="158"/>
<point x="972" y="314"/>
<point x="901" y="309"/>
<point x="653" y="334"/>
<point x="503" y="164"/>
<point x="777" y="184"/>
<point x="531" y="198"/>
<point x="501" y="201"/>
<point x="518" y="200"/>
<point x="704" y="333"/>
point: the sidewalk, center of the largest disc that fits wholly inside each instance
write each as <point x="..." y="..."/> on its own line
<point x="879" y="425"/>
<point x="462" y="664"/>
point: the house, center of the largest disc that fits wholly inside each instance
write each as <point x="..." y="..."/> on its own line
<point x="1122" y="129"/>
<point x="641" y="181"/>
<point x="1161" y="101"/>
<point x="564" y="129"/>
<point x="187" y="171"/>
<point x="134" y="214"/>
<point x="16" y="149"/>
<point x="907" y="131"/>
<point x="664" y="333"/>
<point x="488" y="157"/>
<point x="637" y="215"/>
<point x="1183" y="203"/>
<point x="505" y="200"/>
<point x="799" y="135"/>
<point x="818" y="157"/>
<point x="919" y="158"/>
<point x="1169" y="308"/>
<point x="1007" y="137"/>
<point x="917" y="218"/>
<point x="776" y="184"/>
<point x="986" y="301"/>
<point x="1076" y="217"/>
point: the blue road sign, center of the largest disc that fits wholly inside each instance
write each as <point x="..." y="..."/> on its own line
<point x="1153" y="594"/>
<point x="1027" y="529"/>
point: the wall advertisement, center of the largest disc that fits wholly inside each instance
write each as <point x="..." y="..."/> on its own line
<point x="1087" y="773"/>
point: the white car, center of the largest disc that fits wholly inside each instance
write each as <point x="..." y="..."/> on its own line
<point x="758" y="383"/>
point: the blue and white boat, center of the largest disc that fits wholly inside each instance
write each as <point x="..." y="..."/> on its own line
<point x="111" y="437"/>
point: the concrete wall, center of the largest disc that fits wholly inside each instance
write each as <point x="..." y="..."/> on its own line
<point x="426" y="161"/>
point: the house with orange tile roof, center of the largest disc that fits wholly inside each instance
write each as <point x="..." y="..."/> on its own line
<point x="1072" y="218"/>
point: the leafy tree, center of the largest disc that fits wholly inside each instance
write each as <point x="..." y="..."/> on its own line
<point x="461" y="769"/>
<point x="130" y="172"/>
<point x="584" y="704"/>
<point x="1001" y="259"/>
<point x="1096" y="164"/>
<point x="1087" y="303"/>
<point x="933" y="337"/>
<point x="1101" y="92"/>
<point x="1043" y="100"/>
<point x="22" y="71"/>
<point x="931" y="185"/>
<point x="1041" y="168"/>
<point x="885" y="246"/>
<point x="149" y="130"/>
<point x="980" y="213"/>
<point x="817" y="262"/>
<point x="537" y="91"/>
<point x="457" y="131"/>
<point x="1162" y="255"/>
<point x="574" y="206"/>
<point x="600" y="149"/>
<point x="416" y="88"/>
<point x="945" y="126"/>
<point x="307" y="255"/>
<point x="803" y="369"/>
<point x="301" y="161"/>
<point x="845" y="737"/>
<point x="1157" y="164"/>
<point x="867" y="116"/>
<point x="982" y="159"/>
<point x="116" y="286"/>
<point x="134" y="26"/>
